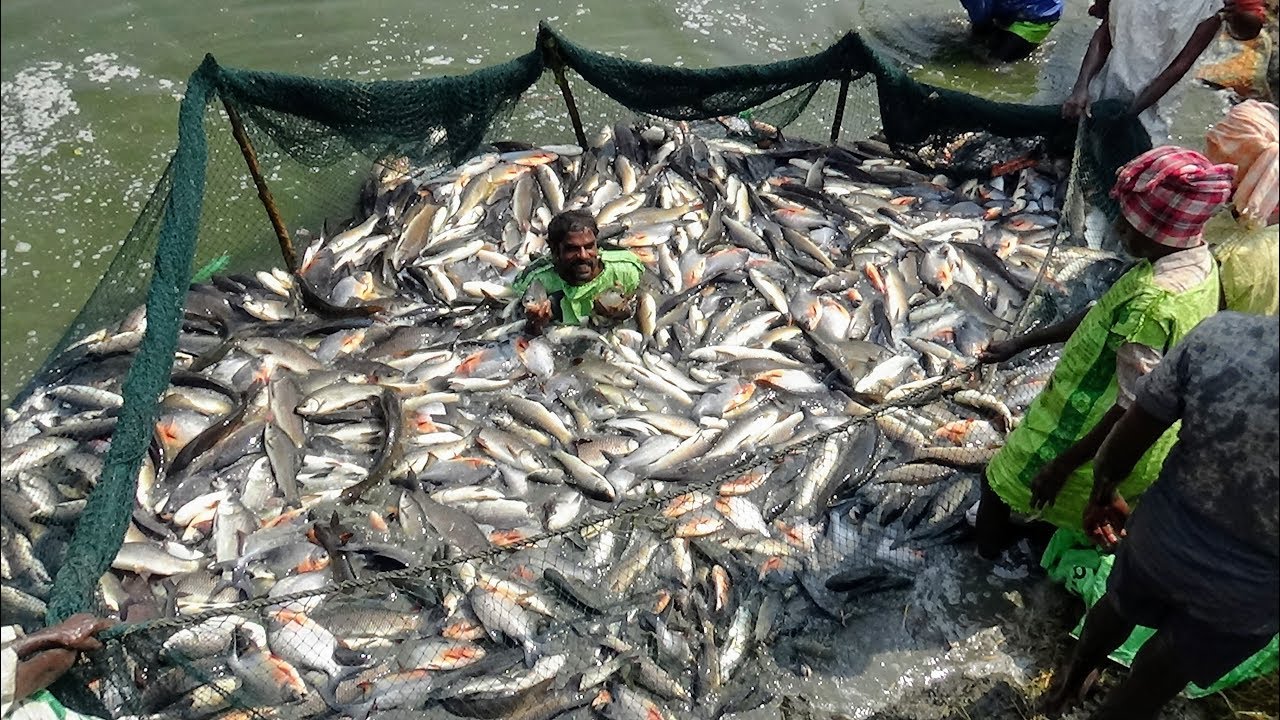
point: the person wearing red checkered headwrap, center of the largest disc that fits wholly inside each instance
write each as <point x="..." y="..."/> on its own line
<point x="1044" y="471"/>
<point x="1142" y="50"/>
<point x="1165" y="196"/>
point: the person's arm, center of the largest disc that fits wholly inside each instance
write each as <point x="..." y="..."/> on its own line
<point x="1077" y="105"/>
<point x="1049" y="481"/>
<point x="41" y="670"/>
<point x="1106" y="513"/>
<point x="1133" y="362"/>
<point x="1133" y="434"/>
<point x="1056" y="333"/>
<point x="1002" y="350"/>
<point x="1157" y="404"/>
<point x="76" y="633"/>
<point x="1204" y="34"/>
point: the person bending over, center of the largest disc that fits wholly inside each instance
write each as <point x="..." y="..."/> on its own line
<point x="1012" y="29"/>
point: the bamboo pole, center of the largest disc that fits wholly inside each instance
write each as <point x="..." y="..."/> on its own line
<point x="840" y="101"/>
<point x="551" y="55"/>
<point x="264" y="192"/>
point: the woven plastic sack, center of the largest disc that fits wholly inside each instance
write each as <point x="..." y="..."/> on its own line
<point x="1249" y="137"/>
<point x="1248" y="260"/>
<point x="1082" y="569"/>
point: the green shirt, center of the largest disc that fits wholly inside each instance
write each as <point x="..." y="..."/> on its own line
<point x="622" y="269"/>
<point x="1083" y="388"/>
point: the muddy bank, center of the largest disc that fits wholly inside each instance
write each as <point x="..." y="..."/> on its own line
<point x="970" y="640"/>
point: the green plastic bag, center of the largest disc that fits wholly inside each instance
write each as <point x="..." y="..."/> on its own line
<point x="1075" y="562"/>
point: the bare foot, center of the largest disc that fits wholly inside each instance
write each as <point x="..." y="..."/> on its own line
<point x="1062" y="697"/>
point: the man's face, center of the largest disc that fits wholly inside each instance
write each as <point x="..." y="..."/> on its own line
<point x="576" y="257"/>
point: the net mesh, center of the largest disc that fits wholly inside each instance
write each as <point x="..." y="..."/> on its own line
<point x="499" y="569"/>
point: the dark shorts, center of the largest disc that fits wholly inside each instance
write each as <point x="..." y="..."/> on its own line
<point x="1205" y="651"/>
<point x="1005" y="46"/>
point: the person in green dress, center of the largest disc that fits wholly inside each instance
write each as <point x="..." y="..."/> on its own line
<point x="576" y="279"/>
<point x="1044" y="470"/>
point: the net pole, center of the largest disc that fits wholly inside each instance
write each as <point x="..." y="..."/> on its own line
<point x="840" y="101"/>
<point x="264" y="192"/>
<point x="551" y="55"/>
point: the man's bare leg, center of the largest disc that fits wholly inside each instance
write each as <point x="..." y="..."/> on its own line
<point x="1104" y="630"/>
<point x="991" y="527"/>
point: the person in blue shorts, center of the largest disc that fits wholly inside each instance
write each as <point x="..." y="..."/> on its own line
<point x="1012" y="29"/>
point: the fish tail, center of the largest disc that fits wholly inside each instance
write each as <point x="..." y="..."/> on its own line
<point x="329" y="693"/>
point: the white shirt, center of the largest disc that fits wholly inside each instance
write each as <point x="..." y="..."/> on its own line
<point x="1146" y="35"/>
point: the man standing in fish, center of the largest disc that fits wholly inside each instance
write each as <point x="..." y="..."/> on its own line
<point x="576" y="278"/>
<point x="1166" y="196"/>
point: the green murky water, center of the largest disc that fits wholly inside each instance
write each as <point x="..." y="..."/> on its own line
<point x="90" y="94"/>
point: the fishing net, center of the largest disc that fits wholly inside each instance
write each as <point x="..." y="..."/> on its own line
<point x="581" y="600"/>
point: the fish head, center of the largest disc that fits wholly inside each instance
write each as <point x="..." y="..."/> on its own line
<point x="248" y="638"/>
<point x="771" y="564"/>
<point x="769" y="377"/>
<point x="612" y="302"/>
<point x="832" y="307"/>
<point x="473" y="362"/>
<point x="692" y="274"/>
<point x="285" y="616"/>
<point x="874" y="275"/>
<point x="739" y="394"/>
<point x="955" y="431"/>
<point x="522" y="572"/>
<point x="699" y="526"/>
<point x="318" y="560"/>
<point x="534" y="158"/>
<point x="535" y="293"/>
<point x="423" y="422"/>
<point x="463" y="629"/>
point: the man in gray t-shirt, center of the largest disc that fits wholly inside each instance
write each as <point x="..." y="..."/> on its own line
<point x="1200" y="561"/>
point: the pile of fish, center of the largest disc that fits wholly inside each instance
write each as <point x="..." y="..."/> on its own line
<point x="381" y="407"/>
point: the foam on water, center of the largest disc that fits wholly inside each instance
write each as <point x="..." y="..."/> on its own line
<point x="60" y="184"/>
<point x="34" y="103"/>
